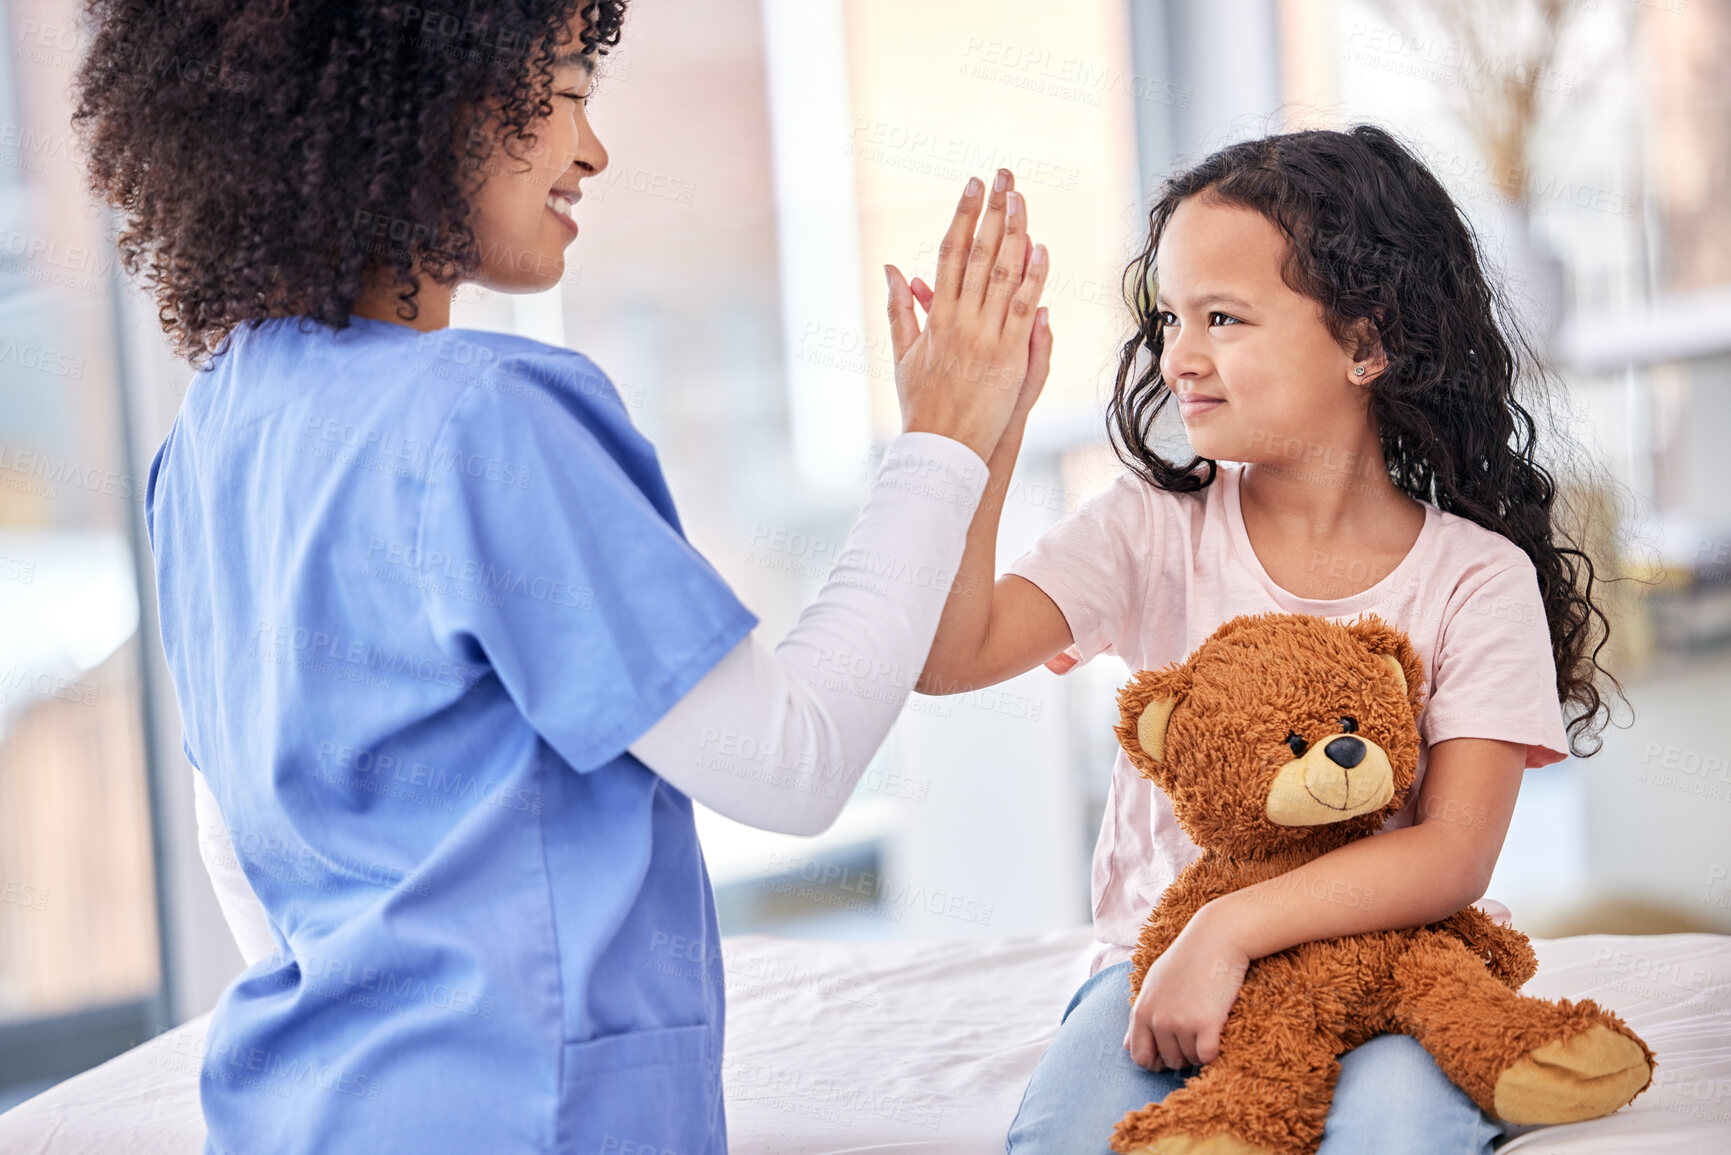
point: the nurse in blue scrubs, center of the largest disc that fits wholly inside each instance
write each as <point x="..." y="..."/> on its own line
<point x="444" y="657"/>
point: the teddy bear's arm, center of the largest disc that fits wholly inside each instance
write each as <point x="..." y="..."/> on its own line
<point x="1505" y="951"/>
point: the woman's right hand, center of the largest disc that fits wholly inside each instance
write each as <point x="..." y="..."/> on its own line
<point x="966" y="375"/>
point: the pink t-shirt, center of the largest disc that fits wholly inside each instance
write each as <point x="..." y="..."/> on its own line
<point x="1151" y="574"/>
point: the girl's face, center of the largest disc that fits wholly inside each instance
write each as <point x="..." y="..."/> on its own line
<point x="523" y="211"/>
<point x="1256" y="373"/>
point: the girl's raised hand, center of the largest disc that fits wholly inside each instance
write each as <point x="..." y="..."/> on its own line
<point x="982" y="357"/>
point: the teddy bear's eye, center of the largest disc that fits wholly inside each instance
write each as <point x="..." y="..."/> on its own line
<point x="1350" y="725"/>
<point x="1299" y="745"/>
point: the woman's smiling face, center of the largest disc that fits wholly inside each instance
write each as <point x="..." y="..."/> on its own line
<point x="1250" y="361"/>
<point x="523" y="210"/>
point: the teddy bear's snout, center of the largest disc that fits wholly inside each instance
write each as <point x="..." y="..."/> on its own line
<point x="1343" y="778"/>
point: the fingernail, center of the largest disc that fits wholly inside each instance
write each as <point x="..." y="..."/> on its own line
<point x="1003" y="181"/>
<point x="1041" y="319"/>
<point x="890" y="278"/>
<point x="1015" y="200"/>
<point x="974" y="187"/>
<point x="1038" y="260"/>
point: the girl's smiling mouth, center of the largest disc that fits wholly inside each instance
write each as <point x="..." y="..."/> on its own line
<point x="1195" y="404"/>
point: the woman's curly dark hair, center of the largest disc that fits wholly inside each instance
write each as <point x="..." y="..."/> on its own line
<point x="1376" y="240"/>
<point x="269" y="158"/>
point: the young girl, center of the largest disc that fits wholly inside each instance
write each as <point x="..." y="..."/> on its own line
<point x="1315" y="304"/>
<point x="449" y="672"/>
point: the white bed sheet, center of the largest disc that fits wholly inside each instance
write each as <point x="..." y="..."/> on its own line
<point x="837" y="1048"/>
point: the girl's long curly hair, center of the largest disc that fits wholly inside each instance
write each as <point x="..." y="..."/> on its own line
<point x="269" y="158"/>
<point x="1375" y="240"/>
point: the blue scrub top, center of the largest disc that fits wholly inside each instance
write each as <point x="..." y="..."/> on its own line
<point x="418" y="593"/>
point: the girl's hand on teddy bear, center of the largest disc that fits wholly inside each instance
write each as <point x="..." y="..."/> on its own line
<point x="1186" y="995"/>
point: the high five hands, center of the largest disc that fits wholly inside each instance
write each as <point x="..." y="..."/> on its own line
<point x="980" y="362"/>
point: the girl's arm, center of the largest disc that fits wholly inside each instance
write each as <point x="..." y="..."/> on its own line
<point x="777" y="740"/>
<point x="992" y="631"/>
<point x="1404" y="878"/>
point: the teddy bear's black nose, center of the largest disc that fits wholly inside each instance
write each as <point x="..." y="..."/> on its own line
<point x="1345" y="751"/>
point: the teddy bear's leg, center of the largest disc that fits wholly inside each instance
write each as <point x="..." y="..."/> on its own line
<point x="1268" y="1092"/>
<point x="1521" y="1059"/>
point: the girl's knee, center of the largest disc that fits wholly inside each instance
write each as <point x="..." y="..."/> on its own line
<point x="1392" y="1097"/>
<point x="1393" y="1056"/>
<point x="1085" y="1082"/>
<point x="1073" y="1111"/>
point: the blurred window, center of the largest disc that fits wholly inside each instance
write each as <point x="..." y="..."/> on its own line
<point x="80" y="972"/>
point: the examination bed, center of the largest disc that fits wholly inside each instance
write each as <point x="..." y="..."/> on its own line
<point x="926" y="1046"/>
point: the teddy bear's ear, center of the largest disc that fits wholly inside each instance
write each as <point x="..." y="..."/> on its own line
<point x="1151" y="727"/>
<point x="1393" y="663"/>
<point x="1396" y="652"/>
<point x="1145" y="708"/>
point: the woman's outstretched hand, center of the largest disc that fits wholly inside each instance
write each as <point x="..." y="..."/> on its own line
<point x="982" y="358"/>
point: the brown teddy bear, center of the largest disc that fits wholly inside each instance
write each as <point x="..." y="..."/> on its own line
<point x="1280" y="738"/>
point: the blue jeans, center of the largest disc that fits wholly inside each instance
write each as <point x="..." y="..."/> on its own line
<point x="1391" y="1098"/>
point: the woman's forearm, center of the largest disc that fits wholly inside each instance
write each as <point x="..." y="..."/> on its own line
<point x="952" y="666"/>
<point x="1403" y="878"/>
<point x="777" y="740"/>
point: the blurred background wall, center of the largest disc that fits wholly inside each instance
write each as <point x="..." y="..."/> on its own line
<point x="768" y="157"/>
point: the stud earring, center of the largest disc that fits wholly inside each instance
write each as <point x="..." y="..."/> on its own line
<point x="1358" y="370"/>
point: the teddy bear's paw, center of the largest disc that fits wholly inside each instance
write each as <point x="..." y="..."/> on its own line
<point x="1207" y="1145"/>
<point x="1567" y="1081"/>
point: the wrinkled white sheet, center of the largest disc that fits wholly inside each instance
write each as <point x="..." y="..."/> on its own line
<point x="839" y="1048"/>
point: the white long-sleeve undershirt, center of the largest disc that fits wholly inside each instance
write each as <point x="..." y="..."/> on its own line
<point x="778" y="739"/>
